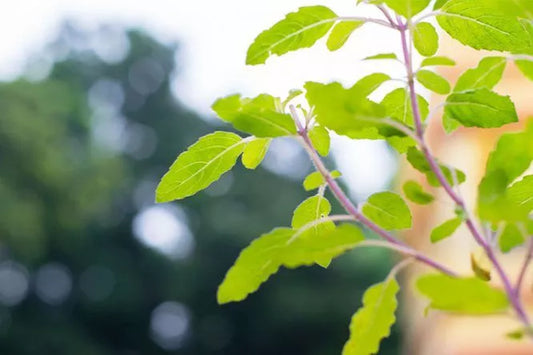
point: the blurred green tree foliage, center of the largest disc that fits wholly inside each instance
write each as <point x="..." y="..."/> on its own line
<point x="80" y="154"/>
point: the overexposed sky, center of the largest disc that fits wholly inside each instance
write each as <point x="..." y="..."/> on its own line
<point x="214" y="36"/>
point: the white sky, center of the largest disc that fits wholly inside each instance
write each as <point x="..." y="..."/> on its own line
<point x="214" y="36"/>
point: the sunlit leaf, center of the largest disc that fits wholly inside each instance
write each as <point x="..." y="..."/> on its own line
<point x="486" y="75"/>
<point x="407" y="8"/>
<point x="345" y="111"/>
<point x="341" y="32"/>
<point x="370" y="83"/>
<point x="511" y="237"/>
<point x="315" y="180"/>
<point x="437" y="61"/>
<point x="312" y="209"/>
<point x="526" y="67"/>
<point x="433" y="82"/>
<point x="258" y="116"/>
<point x="373" y="321"/>
<point x="398" y="106"/>
<point x="462" y="295"/>
<point x="254" y="152"/>
<point x="481" y="108"/>
<point x="382" y="56"/>
<point x="445" y="230"/>
<point x="300" y="29"/>
<point x="425" y="39"/>
<point x="414" y="192"/>
<point x="265" y="255"/>
<point x="201" y="165"/>
<point x="388" y="210"/>
<point x="521" y="193"/>
<point x="321" y="140"/>
<point x="483" y="25"/>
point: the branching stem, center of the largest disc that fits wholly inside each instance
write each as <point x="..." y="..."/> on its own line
<point x="512" y="294"/>
<point x="351" y="208"/>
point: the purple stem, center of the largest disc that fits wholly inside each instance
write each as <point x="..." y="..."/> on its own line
<point x="512" y="294"/>
<point x="527" y="261"/>
<point x="352" y="210"/>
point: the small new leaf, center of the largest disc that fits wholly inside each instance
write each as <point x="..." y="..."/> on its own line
<point x="462" y="295"/>
<point x="315" y="180"/>
<point x="425" y="39"/>
<point x="433" y="82"/>
<point x="373" y="321"/>
<point x="312" y="209"/>
<point x="258" y="116"/>
<point x="415" y="193"/>
<point x="437" y="61"/>
<point x="321" y="140"/>
<point x="382" y="56"/>
<point x="445" y="230"/>
<point x="388" y="210"/>
<point x="300" y="29"/>
<point x="254" y="152"/>
<point x="341" y="32"/>
<point x="201" y="165"/>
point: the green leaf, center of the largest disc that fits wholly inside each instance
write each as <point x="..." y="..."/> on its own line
<point x="294" y="93"/>
<point x="301" y="29"/>
<point x="494" y="204"/>
<point x="521" y="193"/>
<point x="312" y="209"/>
<point x="483" y="25"/>
<point x="445" y="230"/>
<point x="382" y="56"/>
<point x="486" y="75"/>
<point x="462" y="295"/>
<point x="401" y="144"/>
<point x="417" y="159"/>
<point x="437" y="61"/>
<point x="439" y="4"/>
<point x="370" y="83"/>
<point x="254" y="152"/>
<point x="201" y="165"/>
<point x="345" y="111"/>
<point x="257" y="116"/>
<point x="265" y="255"/>
<point x="526" y="67"/>
<point x="315" y="180"/>
<point x="433" y="82"/>
<point x="398" y="106"/>
<point x="388" y="210"/>
<point x="321" y="140"/>
<point x="407" y="8"/>
<point x="513" y="153"/>
<point x="414" y="192"/>
<point x="425" y="39"/>
<point x="510" y="238"/>
<point x="481" y="108"/>
<point x="373" y="321"/>
<point x="341" y="32"/>
<point x="481" y="265"/>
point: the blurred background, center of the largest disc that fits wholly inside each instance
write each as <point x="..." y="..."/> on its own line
<point x="96" y="101"/>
